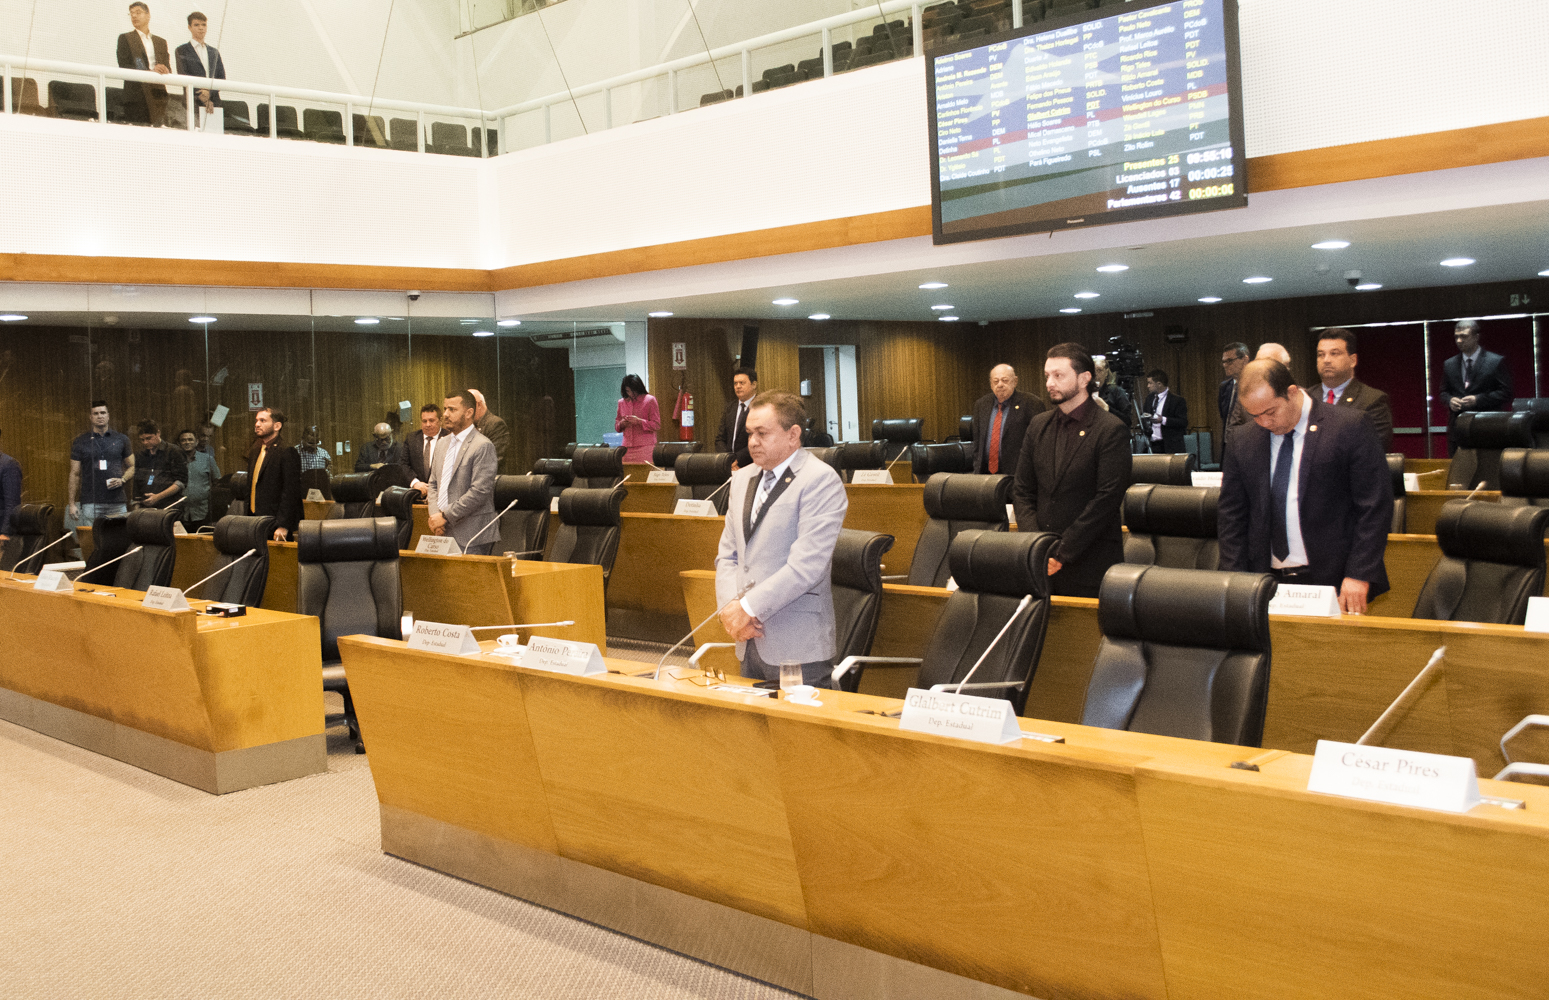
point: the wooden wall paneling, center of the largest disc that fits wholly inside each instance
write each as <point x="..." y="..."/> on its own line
<point x="537" y="400"/>
<point x="44" y="400"/>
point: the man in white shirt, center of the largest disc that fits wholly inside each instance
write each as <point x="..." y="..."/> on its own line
<point x="144" y="103"/>
<point x="195" y="58"/>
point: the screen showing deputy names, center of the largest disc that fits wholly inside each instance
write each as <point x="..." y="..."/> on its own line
<point x="1129" y="116"/>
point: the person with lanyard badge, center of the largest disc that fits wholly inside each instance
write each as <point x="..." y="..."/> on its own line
<point x="161" y="474"/>
<point x="101" y="462"/>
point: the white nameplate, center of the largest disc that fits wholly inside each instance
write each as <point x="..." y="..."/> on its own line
<point x="1011" y="514"/>
<point x="178" y="529"/>
<point x="964" y="716"/>
<point x="1398" y="777"/>
<point x="579" y="658"/>
<point x="696" y="508"/>
<point x="63" y="567"/>
<point x="437" y="545"/>
<point x="662" y="476"/>
<point x="165" y="599"/>
<point x="554" y="505"/>
<point x="1537" y="614"/>
<point x="316" y="496"/>
<point x="1309" y="601"/>
<point x="1205" y="478"/>
<point x="434" y="637"/>
<point x="871" y="477"/>
<point x="1411" y="482"/>
<point x="52" y="580"/>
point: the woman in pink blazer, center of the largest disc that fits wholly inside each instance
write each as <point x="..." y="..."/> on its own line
<point x="638" y="417"/>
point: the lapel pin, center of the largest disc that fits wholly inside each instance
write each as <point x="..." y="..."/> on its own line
<point x="1312" y="428"/>
<point x="1081" y="434"/>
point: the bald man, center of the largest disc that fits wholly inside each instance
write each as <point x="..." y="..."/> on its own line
<point x="382" y="450"/>
<point x="493" y="428"/>
<point x="1273" y="352"/>
<point x="1000" y="422"/>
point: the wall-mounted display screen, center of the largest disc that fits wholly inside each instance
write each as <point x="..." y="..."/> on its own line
<point x="1087" y="120"/>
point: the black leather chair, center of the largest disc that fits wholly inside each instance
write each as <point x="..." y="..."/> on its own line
<point x="1184" y="653"/>
<point x="856" y="578"/>
<point x="152" y="565"/>
<point x="1492" y="561"/>
<point x="1172" y="526"/>
<point x="597" y="468"/>
<point x="925" y="460"/>
<point x="704" y="477"/>
<point x="561" y="477"/>
<point x="389" y="475"/>
<point x="965" y="427"/>
<point x="954" y="504"/>
<point x="29" y="525"/>
<point x="1539" y="408"/>
<point x="109" y="540"/>
<point x="589" y="528"/>
<point x="1481" y="438"/>
<point x="398" y="504"/>
<point x="353" y="490"/>
<point x="1201" y="445"/>
<point x="524" y="529"/>
<point x="240" y="491"/>
<point x="994" y="572"/>
<point x="317" y="479"/>
<point x="347" y="577"/>
<point x="667" y="452"/>
<point x="828" y="456"/>
<point x="858" y="455"/>
<point x="1396" y="471"/>
<point x="896" y="434"/>
<point x="1524" y="477"/>
<point x="244" y="584"/>
<point x="1168" y="470"/>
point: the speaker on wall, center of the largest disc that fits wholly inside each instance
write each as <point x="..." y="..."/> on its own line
<point x="749" y="353"/>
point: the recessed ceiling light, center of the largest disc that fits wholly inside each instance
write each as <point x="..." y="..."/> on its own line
<point x="1070" y="309"/>
<point x="201" y="319"/>
<point x="1211" y="298"/>
<point x="942" y="307"/>
<point x="468" y="322"/>
<point x="484" y="333"/>
<point x="1087" y="295"/>
<point x="1370" y="286"/>
<point x="786" y="302"/>
<point x="659" y="315"/>
<point x="11" y="317"/>
<point x="1457" y="262"/>
<point x="509" y="322"/>
<point x="395" y="319"/>
<point x="932" y="285"/>
<point x="1257" y="280"/>
<point x="818" y="316"/>
<point x="367" y="321"/>
<point x="947" y="319"/>
<point x="1112" y="268"/>
<point x="1331" y="245"/>
<point x="1542" y="274"/>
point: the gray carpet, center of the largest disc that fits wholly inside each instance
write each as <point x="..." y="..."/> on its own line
<point x="119" y="883"/>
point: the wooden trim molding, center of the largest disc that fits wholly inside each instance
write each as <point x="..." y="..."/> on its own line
<point x="1496" y="143"/>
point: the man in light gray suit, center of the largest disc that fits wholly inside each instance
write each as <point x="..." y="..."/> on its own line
<point x="783" y="518"/>
<point x="462" y="484"/>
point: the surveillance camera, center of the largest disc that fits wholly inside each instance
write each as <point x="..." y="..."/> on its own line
<point x="414" y="296"/>
<point x="1353" y="277"/>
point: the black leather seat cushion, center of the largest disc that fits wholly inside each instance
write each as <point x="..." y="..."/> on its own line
<point x="828" y="456"/>
<point x="1396" y="471"/>
<point x="530" y="492"/>
<point x="109" y="540"/>
<point x="665" y="452"/>
<point x="1172" y="526"/>
<point x="898" y="430"/>
<point x="152" y="566"/>
<point x="559" y="471"/>
<point x="353" y="490"/>
<point x="856" y="577"/>
<point x="956" y="503"/>
<point x="234" y="537"/>
<point x="965" y="427"/>
<point x="589" y="528"/>
<point x="703" y="477"/>
<point x="31" y="519"/>
<point x="29" y="523"/>
<point x="1525" y="473"/>
<point x="591" y="508"/>
<point x="398" y="503"/>
<point x="1492" y="561"/>
<point x="600" y="467"/>
<point x="1168" y="470"/>
<point x="925" y="460"/>
<point x="347" y="576"/>
<point x="525" y="527"/>
<point x="1496" y="430"/>
<point x="859" y="455"/>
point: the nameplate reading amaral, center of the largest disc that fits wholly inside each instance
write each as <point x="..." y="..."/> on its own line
<point x="1397" y="777"/>
<point x="581" y="659"/>
<point x="435" y="637"/>
<point x="437" y="545"/>
<point x="964" y="716"/>
<point x="1309" y="601"/>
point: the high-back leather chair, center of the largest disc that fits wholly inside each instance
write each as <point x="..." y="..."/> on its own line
<point x="347" y="577"/>
<point x="1172" y="526"/>
<point x="353" y="490"/>
<point x="597" y="468"/>
<point x="240" y="492"/>
<point x="317" y="479"/>
<point x="856" y="579"/>
<point x="667" y="452"/>
<point x="29" y="523"/>
<point x="245" y="583"/>
<point x="589" y="528"/>
<point x="994" y="572"/>
<point x="152" y="565"/>
<point x="925" y="460"/>
<point x="854" y="455"/>
<point x="109" y="540"/>
<point x="1539" y="408"/>
<point x="1184" y="653"/>
<point x="704" y="477"/>
<point x="828" y="456"/>
<point x="398" y="504"/>
<point x="1492" y="561"/>
<point x="954" y="504"/>
<point x="561" y="476"/>
<point x="965" y="427"/>
<point x="896" y="434"/>
<point x="1481" y="438"/>
<point x="388" y="475"/>
<point x="1524" y="477"/>
<point x="1168" y="470"/>
<point x="1396" y="472"/>
<point x="524" y="529"/>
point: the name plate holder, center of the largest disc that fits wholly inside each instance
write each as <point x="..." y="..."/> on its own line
<point x="1396" y="777"/>
<point x="1537" y="615"/>
<point x="666" y="476"/>
<point x="437" y="545"/>
<point x="1306" y="601"/>
<point x="315" y="495"/>
<point x="434" y="637"/>
<point x="871" y="477"/>
<point x="53" y="581"/>
<point x="579" y="659"/>
<point x="1205" y="479"/>
<point x="178" y="528"/>
<point x="696" y="508"/>
<point x="1411" y="482"/>
<point x="553" y="505"/>
<point x="165" y="599"/>
<point x="961" y="716"/>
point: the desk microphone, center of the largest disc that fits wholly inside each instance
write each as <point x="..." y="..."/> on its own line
<point x="39" y="552"/>
<point x="1402" y="702"/>
<point x="657" y="675"/>
<point x="895" y="461"/>
<point x="719" y="488"/>
<point x="249" y="552"/>
<point x="1476" y="489"/>
<point x="486" y="628"/>
<point x="490" y="524"/>
<point x="1020" y="608"/>
<point x="110" y="562"/>
<point x="174" y="503"/>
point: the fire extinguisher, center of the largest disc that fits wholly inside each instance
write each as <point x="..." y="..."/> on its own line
<point x="685" y="415"/>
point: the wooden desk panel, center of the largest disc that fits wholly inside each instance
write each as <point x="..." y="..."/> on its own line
<point x="897" y="510"/>
<point x="649" y="498"/>
<point x="1422" y="507"/>
<point x="492" y="590"/>
<point x="645" y="599"/>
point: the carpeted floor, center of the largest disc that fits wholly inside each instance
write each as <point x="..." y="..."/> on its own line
<point x="117" y="883"/>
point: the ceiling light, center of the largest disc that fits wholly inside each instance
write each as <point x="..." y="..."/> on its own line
<point x="942" y="307"/>
<point x="395" y="319"/>
<point x="201" y="319"/>
<point x="11" y="317"/>
<point x="1257" y="280"/>
<point x="932" y="285"/>
<point x="509" y="322"/>
<point x="1211" y="298"/>
<point x="484" y="333"/>
<point x="468" y="322"/>
<point x="818" y="316"/>
<point x="663" y="314"/>
<point x="1331" y="245"/>
<point x="1071" y="309"/>
<point x="947" y="319"/>
<point x="1542" y="274"/>
<point x="1457" y="262"/>
<point x="1112" y="268"/>
<point x="1087" y="295"/>
<point x="1370" y="286"/>
<point x="786" y="302"/>
<point x="367" y="321"/>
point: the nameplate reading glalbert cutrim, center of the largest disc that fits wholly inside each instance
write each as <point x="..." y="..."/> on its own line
<point x="52" y="580"/>
<point x="165" y="599"/>
<point x="437" y="545"/>
<point x="1314" y="602"/>
<point x="964" y="716"/>
<point x="696" y="508"/>
<point x="662" y="476"/>
<point x="871" y="477"/>
<point x="582" y="659"/>
<point x="434" y="637"/>
<point x="1397" y="777"/>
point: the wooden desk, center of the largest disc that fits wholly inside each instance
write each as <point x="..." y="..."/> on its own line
<point x="1421" y="507"/>
<point x="649" y="498"/>
<point x="833" y="854"/>
<point x="214" y="703"/>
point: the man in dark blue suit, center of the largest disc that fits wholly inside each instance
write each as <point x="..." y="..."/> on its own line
<point x="1306" y="493"/>
<point x="194" y="58"/>
<point x="1473" y="379"/>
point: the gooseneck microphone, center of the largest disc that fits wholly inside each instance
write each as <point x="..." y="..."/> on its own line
<point x="1003" y="629"/>
<point x="39" y="552"/>
<point x="190" y="589"/>
<point x="110" y="562"/>
<point x="490" y="524"/>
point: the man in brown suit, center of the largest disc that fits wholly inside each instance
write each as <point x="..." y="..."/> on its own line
<point x="1336" y="369"/>
<point x="144" y="103"/>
